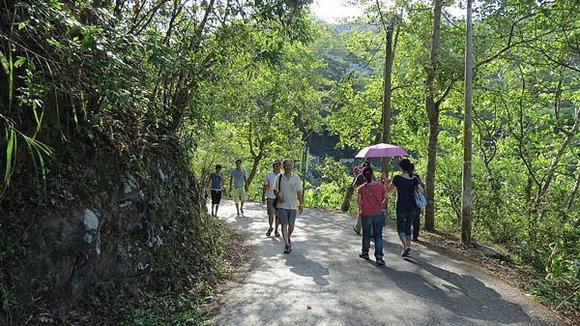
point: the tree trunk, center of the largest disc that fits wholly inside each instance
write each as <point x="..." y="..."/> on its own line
<point x="256" y="156"/>
<point x="347" y="198"/>
<point x="387" y="91"/>
<point x="574" y="193"/>
<point x="467" y="132"/>
<point x="431" y="160"/>
<point x="432" y="108"/>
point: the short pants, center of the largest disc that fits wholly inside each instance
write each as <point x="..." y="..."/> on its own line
<point x="216" y="197"/>
<point x="239" y="194"/>
<point x="286" y="216"/>
<point x="270" y="206"/>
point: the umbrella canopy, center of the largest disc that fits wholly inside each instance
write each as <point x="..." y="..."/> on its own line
<point x="381" y="150"/>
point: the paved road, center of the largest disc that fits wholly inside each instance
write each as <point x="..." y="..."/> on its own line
<point x="323" y="282"/>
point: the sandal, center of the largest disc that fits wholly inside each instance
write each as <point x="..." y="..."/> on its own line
<point x="277" y="233"/>
<point x="269" y="231"/>
<point x="287" y="249"/>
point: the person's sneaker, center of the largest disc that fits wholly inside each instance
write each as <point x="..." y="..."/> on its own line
<point x="380" y="261"/>
<point x="277" y="234"/>
<point x="287" y="249"/>
<point x="364" y="255"/>
<point x="269" y="231"/>
<point x="406" y="252"/>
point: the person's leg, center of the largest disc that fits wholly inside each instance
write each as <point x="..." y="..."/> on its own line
<point x="236" y="198"/>
<point x="270" y="212"/>
<point x="408" y="221"/>
<point x="401" y="229"/>
<point x="219" y="199"/>
<point x="366" y="223"/>
<point x="410" y="216"/>
<point x="416" y="225"/>
<point x="291" y="222"/>
<point x="357" y="226"/>
<point x="282" y="217"/>
<point x="243" y="199"/>
<point x="378" y="222"/>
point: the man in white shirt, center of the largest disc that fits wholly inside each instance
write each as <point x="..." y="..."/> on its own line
<point x="268" y="196"/>
<point x="288" y="190"/>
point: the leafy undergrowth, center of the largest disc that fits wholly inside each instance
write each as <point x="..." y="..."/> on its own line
<point x="563" y="299"/>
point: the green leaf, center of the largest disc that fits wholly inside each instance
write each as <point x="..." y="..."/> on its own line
<point x="19" y="62"/>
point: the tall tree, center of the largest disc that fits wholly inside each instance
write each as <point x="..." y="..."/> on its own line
<point x="432" y="107"/>
<point x="388" y="27"/>
<point x="467" y="133"/>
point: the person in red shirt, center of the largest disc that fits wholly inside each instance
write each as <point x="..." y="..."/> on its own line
<point x="372" y="199"/>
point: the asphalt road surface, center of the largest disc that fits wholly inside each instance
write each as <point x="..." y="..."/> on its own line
<point x="324" y="282"/>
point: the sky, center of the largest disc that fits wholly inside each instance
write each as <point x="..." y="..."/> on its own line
<point x="333" y="10"/>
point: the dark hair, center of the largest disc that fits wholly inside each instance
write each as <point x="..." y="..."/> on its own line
<point x="368" y="174"/>
<point x="366" y="163"/>
<point x="217" y="166"/>
<point x="407" y="166"/>
<point x="239" y="160"/>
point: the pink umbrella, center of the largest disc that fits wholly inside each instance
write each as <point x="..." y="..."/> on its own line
<point x="381" y="150"/>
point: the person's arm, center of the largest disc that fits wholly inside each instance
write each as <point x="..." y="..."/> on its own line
<point x="359" y="196"/>
<point x="385" y="202"/>
<point x="390" y="184"/>
<point x="264" y="189"/>
<point x="419" y="187"/>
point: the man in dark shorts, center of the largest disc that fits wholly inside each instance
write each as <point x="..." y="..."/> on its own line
<point x="268" y="197"/>
<point x="216" y="184"/>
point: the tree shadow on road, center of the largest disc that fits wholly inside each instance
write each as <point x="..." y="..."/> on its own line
<point x="303" y="266"/>
<point x="463" y="295"/>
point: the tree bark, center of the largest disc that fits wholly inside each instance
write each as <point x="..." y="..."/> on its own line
<point x="467" y="133"/>
<point x="432" y="108"/>
<point x="256" y="156"/>
<point x="387" y="91"/>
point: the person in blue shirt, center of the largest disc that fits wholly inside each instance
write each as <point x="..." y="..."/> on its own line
<point x="239" y="181"/>
<point x="216" y="180"/>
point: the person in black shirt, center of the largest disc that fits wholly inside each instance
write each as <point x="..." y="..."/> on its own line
<point x="406" y="207"/>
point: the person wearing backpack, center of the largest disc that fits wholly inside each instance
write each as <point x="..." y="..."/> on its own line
<point x="372" y="199"/>
<point x="406" y="206"/>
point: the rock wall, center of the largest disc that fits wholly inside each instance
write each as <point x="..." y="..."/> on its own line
<point x="104" y="223"/>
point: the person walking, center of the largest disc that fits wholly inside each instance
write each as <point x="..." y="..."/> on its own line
<point x="268" y="197"/>
<point x="238" y="178"/>
<point x="406" y="207"/>
<point x="288" y="191"/>
<point x="372" y="199"/>
<point x="417" y="219"/>
<point x="216" y="185"/>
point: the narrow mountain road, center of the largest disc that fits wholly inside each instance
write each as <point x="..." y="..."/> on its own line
<point x="324" y="282"/>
